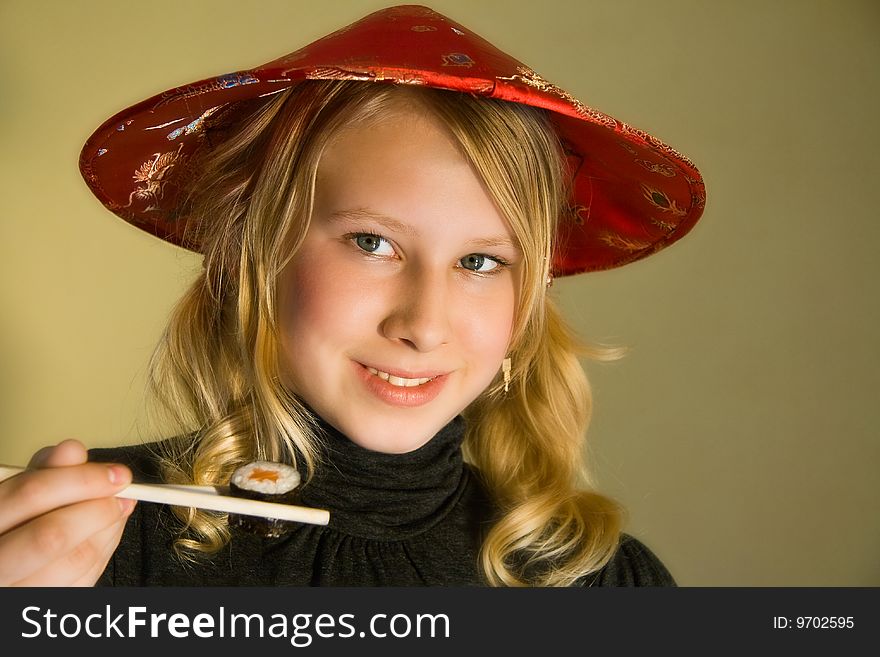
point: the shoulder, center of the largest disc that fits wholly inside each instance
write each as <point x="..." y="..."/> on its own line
<point x="632" y="565"/>
<point x="143" y="459"/>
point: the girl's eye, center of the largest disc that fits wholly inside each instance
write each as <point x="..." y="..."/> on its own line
<point x="373" y="244"/>
<point x="479" y="263"/>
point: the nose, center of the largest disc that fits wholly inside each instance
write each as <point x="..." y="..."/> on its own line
<point x="419" y="314"/>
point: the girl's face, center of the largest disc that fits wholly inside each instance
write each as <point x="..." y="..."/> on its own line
<point x="398" y="309"/>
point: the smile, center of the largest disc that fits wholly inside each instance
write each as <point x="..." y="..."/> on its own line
<point x="398" y="381"/>
<point x="402" y="391"/>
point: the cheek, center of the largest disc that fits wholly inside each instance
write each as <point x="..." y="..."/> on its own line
<point x="486" y="324"/>
<point x="322" y="304"/>
<point x="308" y="304"/>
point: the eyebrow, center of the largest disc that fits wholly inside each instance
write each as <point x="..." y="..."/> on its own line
<point x="382" y="219"/>
<point x="400" y="227"/>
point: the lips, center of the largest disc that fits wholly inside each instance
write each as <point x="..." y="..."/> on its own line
<point x="399" y="381"/>
<point x="404" y="389"/>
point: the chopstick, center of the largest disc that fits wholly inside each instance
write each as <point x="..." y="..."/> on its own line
<point x="205" y="497"/>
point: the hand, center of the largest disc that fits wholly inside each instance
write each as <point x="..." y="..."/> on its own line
<point x="59" y="523"/>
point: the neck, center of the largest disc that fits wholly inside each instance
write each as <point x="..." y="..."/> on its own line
<point x="386" y="496"/>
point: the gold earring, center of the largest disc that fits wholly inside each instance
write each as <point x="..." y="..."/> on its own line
<point x="505" y="368"/>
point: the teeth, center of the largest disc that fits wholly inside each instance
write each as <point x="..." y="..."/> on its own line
<point x="398" y="381"/>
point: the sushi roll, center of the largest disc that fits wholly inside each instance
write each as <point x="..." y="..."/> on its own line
<point x="268" y="482"/>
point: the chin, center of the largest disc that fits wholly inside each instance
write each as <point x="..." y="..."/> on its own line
<point x="404" y="436"/>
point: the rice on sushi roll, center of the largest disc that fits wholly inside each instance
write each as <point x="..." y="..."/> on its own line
<point x="268" y="482"/>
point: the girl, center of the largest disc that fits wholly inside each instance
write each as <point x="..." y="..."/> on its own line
<point x="381" y="215"/>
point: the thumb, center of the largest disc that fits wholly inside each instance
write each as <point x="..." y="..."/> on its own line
<point x="67" y="452"/>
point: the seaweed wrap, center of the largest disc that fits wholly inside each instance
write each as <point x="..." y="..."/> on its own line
<point x="268" y="482"/>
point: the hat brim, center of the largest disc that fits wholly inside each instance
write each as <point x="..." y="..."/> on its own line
<point x="631" y="194"/>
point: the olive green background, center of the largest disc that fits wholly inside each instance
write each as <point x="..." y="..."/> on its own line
<point x="741" y="429"/>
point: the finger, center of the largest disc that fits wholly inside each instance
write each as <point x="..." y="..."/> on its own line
<point x="36" y="544"/>
<point x="39" y="457"/>
<point x="35" y="492"/>
<point x="67" y="452"/>
<point x="83" y="565"/>
<point x="91" y="577"/>
<point x="110" y="538"/>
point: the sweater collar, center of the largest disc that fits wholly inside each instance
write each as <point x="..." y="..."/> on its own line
<point x="387" y="496"/>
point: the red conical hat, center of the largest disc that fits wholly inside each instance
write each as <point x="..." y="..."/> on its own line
<point x="632" y="195"/>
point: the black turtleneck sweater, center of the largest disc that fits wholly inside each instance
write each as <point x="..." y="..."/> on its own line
<point x="414" y="519"/>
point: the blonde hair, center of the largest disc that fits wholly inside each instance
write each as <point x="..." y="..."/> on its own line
<point x="217" y="370"/>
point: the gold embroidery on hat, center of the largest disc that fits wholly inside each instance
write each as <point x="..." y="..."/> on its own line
<point x="192" y="126"/>
<point x="423" y="28"/>
<point x="661" y="201"/>
<point x="627" y="147"/>
<point x="528" y="77"/>
<point x="625" y="243"/>
<point x="222" y="82"/>
<point x="665" y="226"/>
<point x="656" y="144"/>
<point x="457" y="59"/>
<point x="153" y="175"/>
<point x="654" y="167"/>
<point x="671" y="152"/>
<point x="579" y="214"/>
<point x="698" y="191"/>
<point x="399" y="76"/>
<point x="339" y="74"/>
